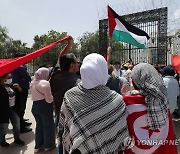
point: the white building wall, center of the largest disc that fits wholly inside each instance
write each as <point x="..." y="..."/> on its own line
<point x="173" y="44"/>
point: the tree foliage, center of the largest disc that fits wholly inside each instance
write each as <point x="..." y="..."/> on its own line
<point x="117" y="50"/>
<point x="8" y="46"/>
<point x="46" y="39"/>
<point x="88" y="43"/>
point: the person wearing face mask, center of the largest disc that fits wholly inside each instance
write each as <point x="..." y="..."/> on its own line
<point x="7" y="111"/>
<point x="117" y="69"/>
<point x="42" y="110"/>
<point x="4" y="114"/>
<point x="22" y="77"/>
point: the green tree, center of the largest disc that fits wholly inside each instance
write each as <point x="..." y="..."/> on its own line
<point x="3" y="41"/>
<point x="52" y="55"/>
<point x="18" y="46"/>
<point x="3" y="34"/>
<point x="88" y="43"/>
<point x="8" y="46"/>
<point x="117" y="50"/>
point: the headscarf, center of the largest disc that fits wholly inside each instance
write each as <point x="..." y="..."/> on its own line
<point x="41" y="74"/>
<point x="168" y="71"/>
<point x="151" y="85"/>
<point x="94" y="71"/>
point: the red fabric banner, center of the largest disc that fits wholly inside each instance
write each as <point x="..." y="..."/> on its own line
<point x="147" y="141"/>
<point x="111" y="21"/>
<point x="176" y="62"/>
<point x="105" y="56"/>
<point x="8" y="65"/>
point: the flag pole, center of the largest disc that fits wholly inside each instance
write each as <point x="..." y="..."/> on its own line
<point x="108" y="37"/>
<point x="129" y="51"/>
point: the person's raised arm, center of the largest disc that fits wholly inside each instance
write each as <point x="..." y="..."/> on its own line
<point x="109" y="50"/>
<point x="66" y="48"/>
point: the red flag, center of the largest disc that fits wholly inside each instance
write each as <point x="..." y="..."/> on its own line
<point x="147" y="141"/>
<point x="8" y="65"/>
<point x="176" y="63"/>
<point x="111" y="21"/>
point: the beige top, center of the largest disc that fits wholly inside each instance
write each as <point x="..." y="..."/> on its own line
<point x="41" y="90"/>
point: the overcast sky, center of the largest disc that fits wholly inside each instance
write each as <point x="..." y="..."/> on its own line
<point x="26" y="18"/>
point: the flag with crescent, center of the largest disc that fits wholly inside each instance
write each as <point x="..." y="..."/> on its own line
<point x="147" y="141"/>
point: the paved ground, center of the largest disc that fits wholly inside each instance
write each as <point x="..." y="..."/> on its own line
<point x="29" y="137"/>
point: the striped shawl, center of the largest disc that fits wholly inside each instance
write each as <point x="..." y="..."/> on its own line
<point x="93" y="121"/>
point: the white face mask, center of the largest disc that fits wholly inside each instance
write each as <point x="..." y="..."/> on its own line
<point x="50" y="69"/>
<point x="8" y="81"/>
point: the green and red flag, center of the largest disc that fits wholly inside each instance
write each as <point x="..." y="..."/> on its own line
<point x="122" y="31"/>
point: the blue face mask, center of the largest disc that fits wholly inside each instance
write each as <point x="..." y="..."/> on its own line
<point x="117" y="68"/>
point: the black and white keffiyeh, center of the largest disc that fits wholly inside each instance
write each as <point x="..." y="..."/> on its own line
<point x="92" y="116"/>
<point x="93" y="121"/>
<point x="151" y="85"/>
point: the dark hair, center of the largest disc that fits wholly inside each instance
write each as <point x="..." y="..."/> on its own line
<point x="66" y="61"/>
<point x="45" y="64"/>
<point x="3" y="76"/>
<point x="168" y="71"/>
<point x="19" y="54"/>
<point x="176" y="76"/>
<point x="78" y="73"/>
<point x="117" y="63"/>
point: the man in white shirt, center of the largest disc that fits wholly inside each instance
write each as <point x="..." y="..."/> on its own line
<point x="172" y="87"/>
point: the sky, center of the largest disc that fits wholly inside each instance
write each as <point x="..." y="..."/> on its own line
<point x="26" y="18"/>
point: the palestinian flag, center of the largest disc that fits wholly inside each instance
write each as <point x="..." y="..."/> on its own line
<point x="122" y="31"/>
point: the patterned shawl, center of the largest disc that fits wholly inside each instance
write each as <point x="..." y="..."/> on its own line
<point x="94" y="121"/>
<point x="151" y="85"/>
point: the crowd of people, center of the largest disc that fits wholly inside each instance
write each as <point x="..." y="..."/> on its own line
<point x="89" y="105"/>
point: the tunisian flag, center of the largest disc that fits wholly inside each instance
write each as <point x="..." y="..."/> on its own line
<point x="176" y="63"/>
<point x="8" y="65"/>
<point x="147" y="141"/>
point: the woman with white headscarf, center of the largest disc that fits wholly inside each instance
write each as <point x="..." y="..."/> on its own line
<point x="148" y="119"/>
<point x="92" y="116"/>
<point x="42" y="110"/>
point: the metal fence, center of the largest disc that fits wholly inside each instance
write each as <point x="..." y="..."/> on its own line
<point x="154" y="22"/>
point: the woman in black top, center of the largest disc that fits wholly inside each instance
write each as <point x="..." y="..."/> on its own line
<point x="7" y="111"/>
<point x="4" y="111"/>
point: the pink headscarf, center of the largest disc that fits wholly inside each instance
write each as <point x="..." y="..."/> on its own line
<point x="41" y="74"/>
